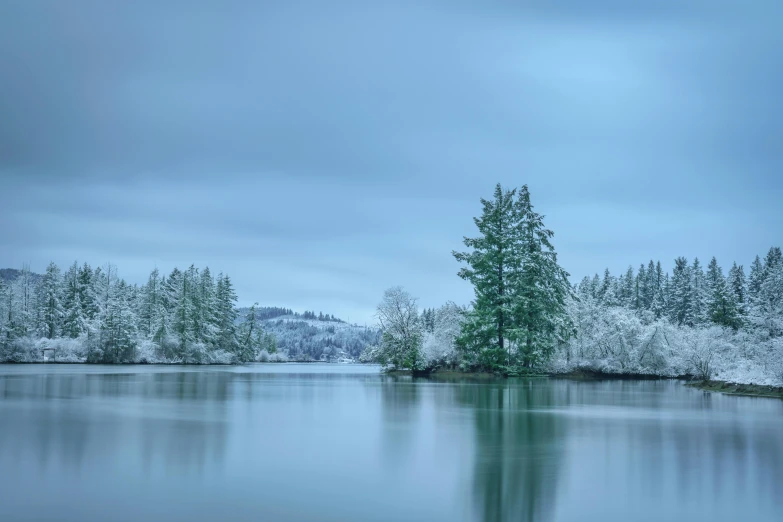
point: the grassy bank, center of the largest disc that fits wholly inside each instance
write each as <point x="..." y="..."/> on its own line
<point x="747" y="390"/>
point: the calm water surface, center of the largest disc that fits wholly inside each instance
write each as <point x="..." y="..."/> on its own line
<point x="342" y="442"/>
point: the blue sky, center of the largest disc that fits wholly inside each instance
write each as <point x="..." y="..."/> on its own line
<point x="319" y="152"/>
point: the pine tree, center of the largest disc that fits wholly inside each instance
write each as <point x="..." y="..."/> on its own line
<point x="118" y="325"/>
<point x="226" y="314"/>
<point x="768" y="310"/>
<point x="518" y="315"/>
<point x="606" y="283"/>
<point x="680" y="308"/>
<point x="207" y="309"/>
<point x="250" y="336"/>
<point x="50" y="311"/>
<point x="87" y="294"/>
<point x="697" y="313"/>
<point x="641" y="288"/>
<point x="738" y="286"/>
<point x="184" y="324"/>
<point x="627" y="293"/>
<point x="541" y="288"/>
<point x="74" y="322"/>
<point x="490" y="262"/>
<point x="6" y="318"/>
<point x="151" y="305"/>
<point x="720" y="306"/>
<point x="658" y="306"/>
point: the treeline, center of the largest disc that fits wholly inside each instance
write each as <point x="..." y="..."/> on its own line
<point x="92" y="315"/>
<point x="320" y="317"/>
<point x="692" y="296"/>
<point x="526" y="316"/>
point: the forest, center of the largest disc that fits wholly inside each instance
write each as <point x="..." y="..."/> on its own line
<point x="528" y="318"/>
<point x="189" y="316"/>
<point x="93" y="315"/>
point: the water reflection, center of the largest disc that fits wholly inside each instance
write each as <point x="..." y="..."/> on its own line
<point x="323" y="443"/>
<point x="518" y="450"/>
<point x="173" y="421"/>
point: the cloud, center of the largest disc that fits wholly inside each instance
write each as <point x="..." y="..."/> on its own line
<point x="348" y="142"/>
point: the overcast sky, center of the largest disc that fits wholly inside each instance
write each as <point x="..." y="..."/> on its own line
<point x="321" y="151"/>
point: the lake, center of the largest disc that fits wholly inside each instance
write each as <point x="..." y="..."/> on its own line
<point x="321" y="442"/>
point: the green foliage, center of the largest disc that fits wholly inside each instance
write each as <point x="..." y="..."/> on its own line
<point x="518" y="314"/>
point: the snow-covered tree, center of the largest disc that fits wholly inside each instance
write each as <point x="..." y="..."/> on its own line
<point x="74" y="320"/>
<point x="439" y="344"/>
<point x="398" y="318"/>
<point x="226" y="314"/>
<point x="721" y="307"/>
<point x="50" y="306"/>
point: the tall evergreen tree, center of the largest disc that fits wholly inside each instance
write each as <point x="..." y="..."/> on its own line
<point x="540" y="288"/>
<point x="50" y="311"/>
<point x="738" y="286"/>
<point x="680" y="308"/>
<point x="520" y="291"/>
<point x="697" y="313"/>
<point x="627" y="293"/>
<point x="491" y="261"/>
<point x="226" y="314"/>
<point x="658" y="305"/>
<point x="720" y="306"/>
<point x="74" y="322"/>
<point x="151" y="306"/>
<point x="641" y="288"/>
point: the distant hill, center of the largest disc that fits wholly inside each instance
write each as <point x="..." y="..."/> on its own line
<point x="9" y="275"/>
<point x="310" y="336"/>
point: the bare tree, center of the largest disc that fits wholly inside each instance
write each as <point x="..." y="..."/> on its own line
<point x="398" y="316"/>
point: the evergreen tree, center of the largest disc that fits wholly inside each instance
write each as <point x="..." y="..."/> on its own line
<point x="756" y="279"/>
<point x="658" y="306"/>
<point x="649" y="286"/>
<point x="74" y="322"/>
<point x="226" y="314"/>
<point x="251" y="337"/>
<point x="720" y="305"/>
<point x="491" y="261"/>
<point x="6" y="318"/>
<point x="540" y="291"/>
<point x="50" y="311"/>
<point x="118" y="326"/>
<point x="151" y="306"/>
<point x="518" y="314"/>
<point x="680" y="308"/>
<point x="641" y="288"/>
<point x="207" y="309"/>
<point x="628" y="290"/>
<point x="606" y="283"/>
<point x="595" y="286"/>
<point x="697" y="313"/>
<point x="184" y="324"/>
<point x="87" y="295"/>
<point x="738" y="286"/>
<point x="768" y="309"/>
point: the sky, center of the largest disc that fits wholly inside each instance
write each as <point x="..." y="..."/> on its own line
<point x="321" y="152"/>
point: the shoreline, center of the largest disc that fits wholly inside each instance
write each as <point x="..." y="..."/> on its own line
<point x="586" y="375"/>
<point x="580" y="375"/>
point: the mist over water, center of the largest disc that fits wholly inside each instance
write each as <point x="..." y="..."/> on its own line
<point x="343" y="442"/>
